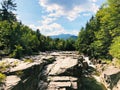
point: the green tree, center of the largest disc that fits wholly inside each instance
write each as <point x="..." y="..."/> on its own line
<point x="69" y="44"/>
<point x="18" y="52"/>
<point x="115" y="47"/>
<point x="6" y="13"/>
<point x="5" y="36"/>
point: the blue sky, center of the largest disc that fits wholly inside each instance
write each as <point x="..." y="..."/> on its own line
<point x="54" y="17"/>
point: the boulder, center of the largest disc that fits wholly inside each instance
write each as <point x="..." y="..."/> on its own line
<point x="111" y="77"/>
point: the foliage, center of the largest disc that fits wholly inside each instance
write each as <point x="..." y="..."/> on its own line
<point x="6" y="12"/>
<point x="117" y="63"/>
<point x="17" y="53"/>
<point x="4" y="66"/>
<point x="98" y="38"/>
<point x="28" y="60"/>
<point x="89" y="83"/>
<point x="18" y="40"/>
<point x="107" y="61"/>
<point x="2" y="77"/>
<point x="115" y="47"/>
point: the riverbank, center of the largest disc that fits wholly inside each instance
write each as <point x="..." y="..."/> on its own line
<point x="53" y="70"/>
<point x="109" y="74"/>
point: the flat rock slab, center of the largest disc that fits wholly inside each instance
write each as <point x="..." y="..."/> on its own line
<point x="61" y="65"/>
<point x="23" y="66"/>
<point x="9" y="60"/>
<point x="111" y="70"/>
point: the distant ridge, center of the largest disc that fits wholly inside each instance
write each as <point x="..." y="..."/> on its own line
<point x="64" y="36"/>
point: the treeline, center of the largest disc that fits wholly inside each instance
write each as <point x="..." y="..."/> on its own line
<point x="99" y="39"/>
<point x="17" y="40"/>
<point x="101" y="36"/>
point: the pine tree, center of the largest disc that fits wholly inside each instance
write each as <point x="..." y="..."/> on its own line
<point x="6" y="12"/>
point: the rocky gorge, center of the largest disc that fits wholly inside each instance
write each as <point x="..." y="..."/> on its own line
<point x="57" y="71"/>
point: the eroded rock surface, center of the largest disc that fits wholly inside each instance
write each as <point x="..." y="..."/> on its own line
<point x="11" y="81"/>
<point x="48" y="71"/>
<point x="61" y="65"/>
<point x="52" y="73"/>
<point x="111" y="78"/>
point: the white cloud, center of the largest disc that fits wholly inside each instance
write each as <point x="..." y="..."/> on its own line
<point x="87" y="14"/>
<point x="93" y="0"/>
<point x="47" y="20"/>
<point x="53" y="29"/>
<point x="94" y="8"/>
<point x="33" y="26"/>
<point x="68" y="8"/>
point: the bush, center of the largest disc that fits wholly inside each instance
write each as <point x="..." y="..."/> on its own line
<point x="28" y="60"/>
<point x="18" y="52"/>
<point x="2" y="77"/>
<point x="4" y="66"/>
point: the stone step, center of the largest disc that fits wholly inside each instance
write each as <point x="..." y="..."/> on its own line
<point x="60" y="84"/>
<point x="62" y="79"/>
<point x="53" y="88"/>
<point x="62" y="88"/>
<point x="63" y="85"/>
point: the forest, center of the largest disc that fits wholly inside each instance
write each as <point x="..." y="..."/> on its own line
<point x="18" y="40"/>
<point x="99" y="39"/>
